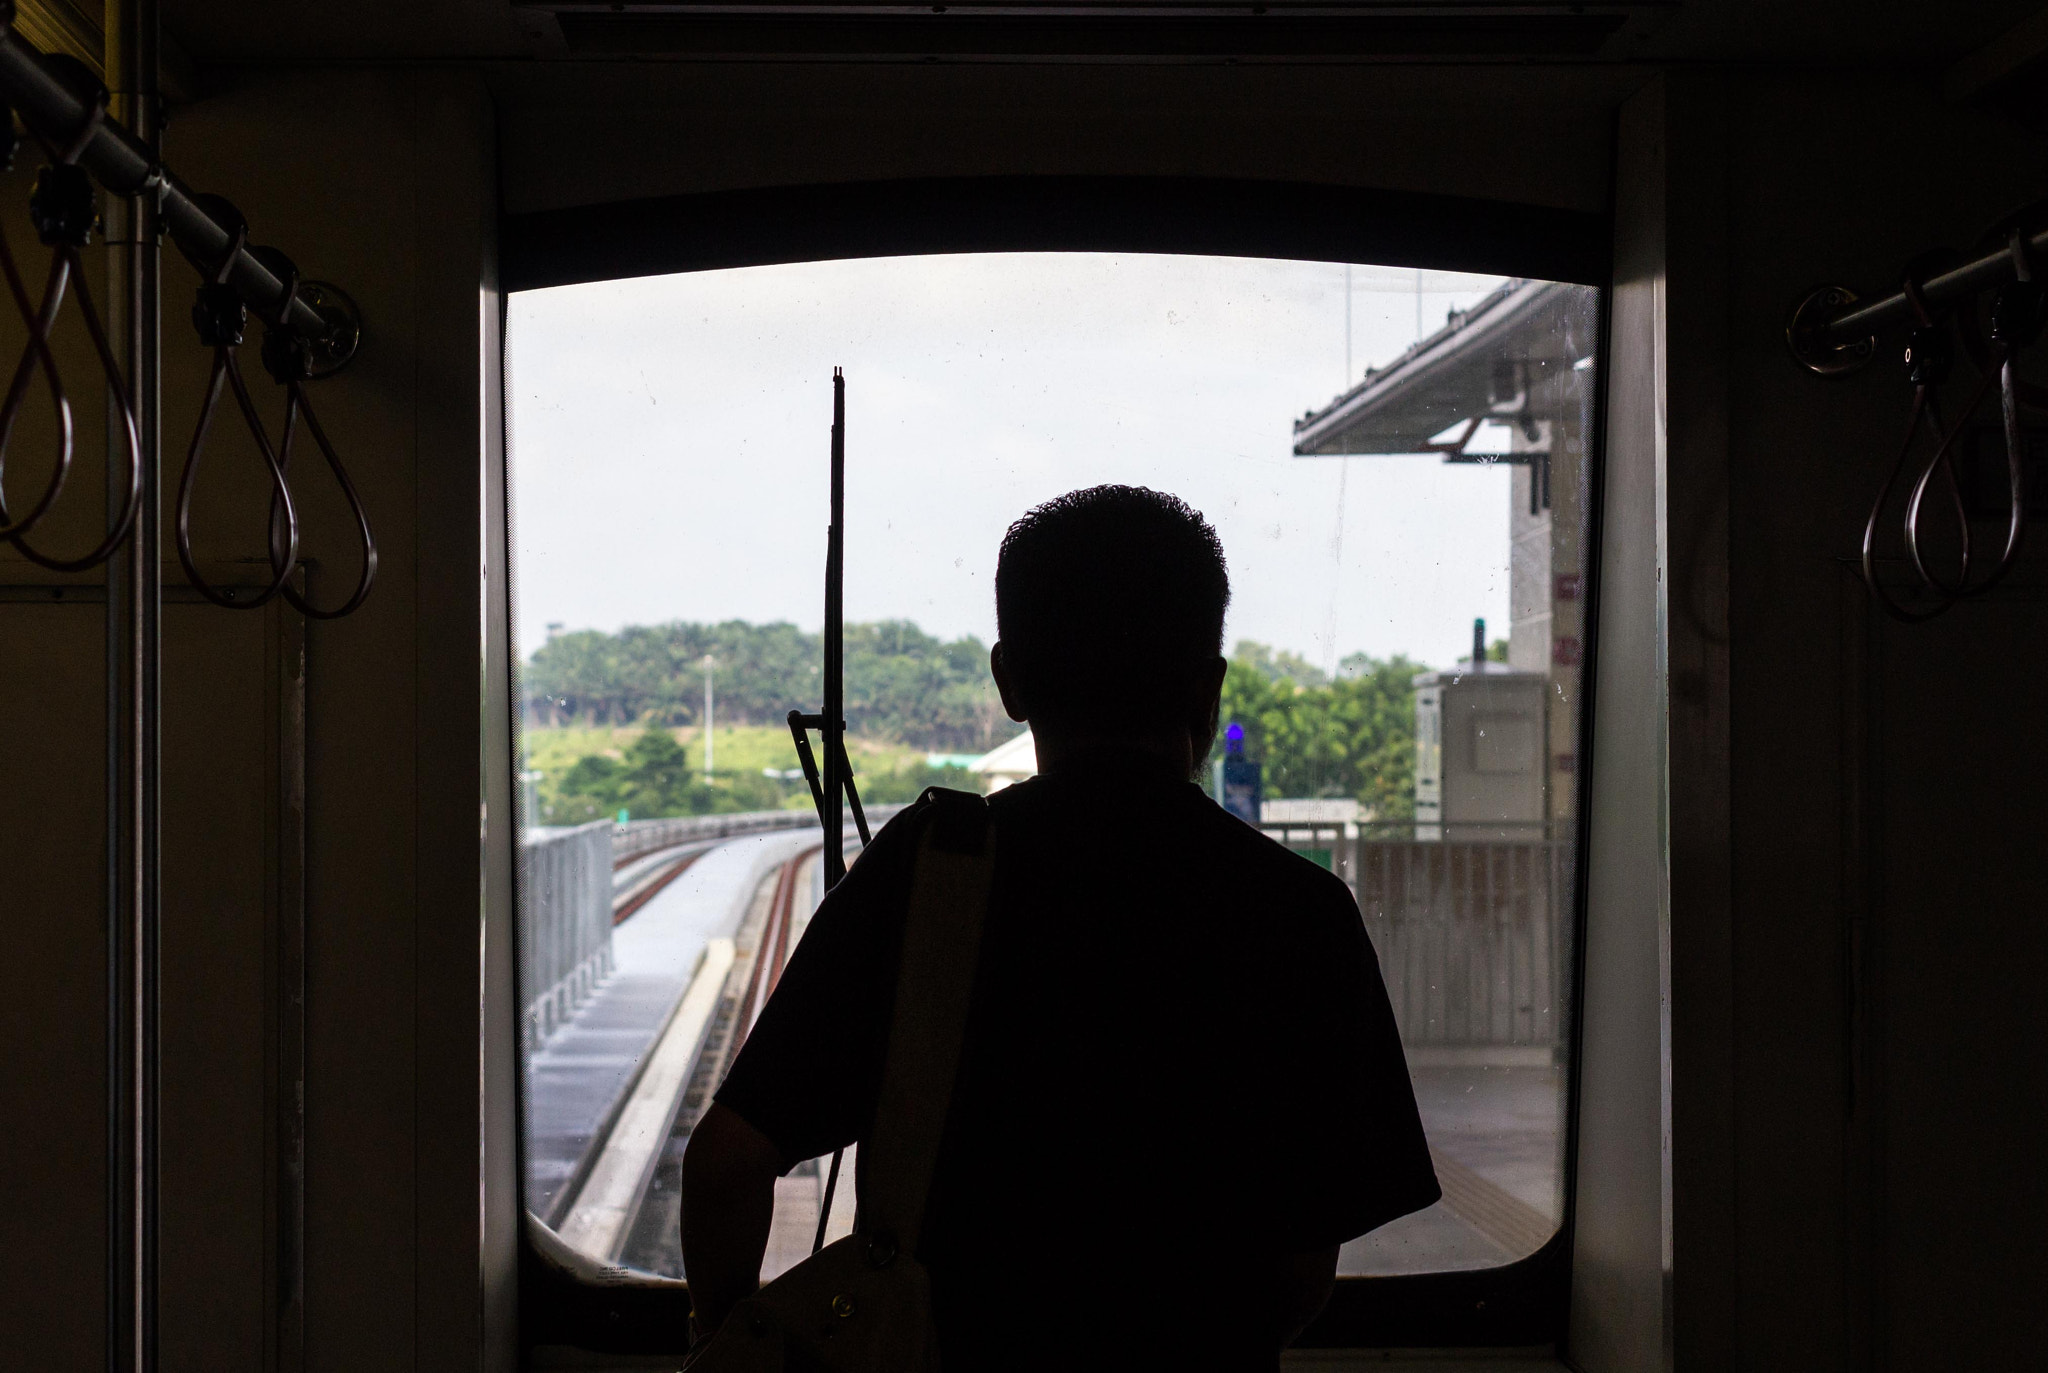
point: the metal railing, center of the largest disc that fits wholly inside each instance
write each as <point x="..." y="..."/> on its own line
<point x="636" y="838"/>
<point x="1473" y="936"/>
<point x="567" y="898"/>
<point x="565" y="921"/>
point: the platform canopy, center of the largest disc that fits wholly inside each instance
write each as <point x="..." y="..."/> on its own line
<point x="1012" y="761"/>
<point x="1482" y="365"/>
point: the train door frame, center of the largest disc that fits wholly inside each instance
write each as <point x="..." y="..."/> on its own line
<point x="1521" y="1304"/>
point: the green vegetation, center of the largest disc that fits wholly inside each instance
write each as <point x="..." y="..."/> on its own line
<point x="1313" y="736"/>
<point x="902" y="685"/>
<point x="589" y="773"/>
<point x="650" y="777"/>
<point x="612" y="719"/>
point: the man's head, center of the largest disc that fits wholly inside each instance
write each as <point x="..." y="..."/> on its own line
<point x="1109" y="608"/>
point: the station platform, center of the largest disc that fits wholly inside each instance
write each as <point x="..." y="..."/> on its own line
<point x="1494" y="1134"/>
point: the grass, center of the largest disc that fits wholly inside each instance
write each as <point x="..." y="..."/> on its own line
<point x="736" y="748"/>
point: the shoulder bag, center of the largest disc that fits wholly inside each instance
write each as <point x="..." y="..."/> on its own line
<point x="863" y="1304"/>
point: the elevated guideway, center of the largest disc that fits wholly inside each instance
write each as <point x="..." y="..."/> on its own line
<point x="703" y="928"/>
<point x="580" y="1077"/>
<point x="693" y="932"/>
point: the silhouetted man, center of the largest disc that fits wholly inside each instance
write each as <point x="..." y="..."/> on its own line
<point x="1181" y="1086"/>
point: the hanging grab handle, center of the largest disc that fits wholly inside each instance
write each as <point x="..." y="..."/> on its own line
<point x="2017" y="309"/>
<point x="317" y="323"/>
<point x="64" y="211"/>
<point x="221" y="319"/>
<point x="2016" y="318"/>
<point x="38" y="319"/>
<point x="2015" y="313"/>
<point x="1928" y="358"/>
<point x="1830" y="333"/>
<point x="1883" y="597"/>
<point x="289" y="359"/>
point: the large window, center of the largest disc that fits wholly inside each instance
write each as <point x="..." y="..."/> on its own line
<point x="1397" y="462"/>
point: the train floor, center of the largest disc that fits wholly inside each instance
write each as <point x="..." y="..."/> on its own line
<point x="1494" y="1131"/>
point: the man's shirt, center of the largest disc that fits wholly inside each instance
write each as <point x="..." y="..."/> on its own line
<point x="1179" y="1064"/>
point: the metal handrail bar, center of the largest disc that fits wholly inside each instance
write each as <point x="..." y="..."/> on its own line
<point x="1992" y="269"/>
<point x="125" y="166"/>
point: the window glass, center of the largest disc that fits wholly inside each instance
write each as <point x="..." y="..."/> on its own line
<point x="1396" y="462"/>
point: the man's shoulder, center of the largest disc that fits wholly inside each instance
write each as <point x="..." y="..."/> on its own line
<point x="1260" y="855"/>
<point x="884" y="862"/>
<point x="1201" y="834"/>
<point x="894" y="847"/>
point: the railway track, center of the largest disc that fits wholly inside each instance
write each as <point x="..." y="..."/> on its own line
<point x="625" y="1207"/>
<point x="641" y="887"/>
<point x="764" y="946"/>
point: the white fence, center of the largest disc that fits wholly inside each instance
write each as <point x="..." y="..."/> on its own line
<point x="1473" y="936"/>
<point x="565" y="921"/>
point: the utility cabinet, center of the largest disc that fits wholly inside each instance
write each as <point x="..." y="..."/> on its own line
<point x="1479" y="753"/>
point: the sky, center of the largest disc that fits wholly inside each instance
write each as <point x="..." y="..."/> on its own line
<point x="669" y="441"/>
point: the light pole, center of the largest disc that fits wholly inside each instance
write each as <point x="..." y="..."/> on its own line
<point x="710" y="665"/>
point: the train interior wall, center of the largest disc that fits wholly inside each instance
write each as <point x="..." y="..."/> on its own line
<point x="1841" y="933"/>
<point x="1814" y="950"/>
<point x="381" y="844"/>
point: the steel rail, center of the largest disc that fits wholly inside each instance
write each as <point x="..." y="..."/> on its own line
<point x="623" y="907"/>
<point x="125" y="166"/>
<point x="1992" y="269"/>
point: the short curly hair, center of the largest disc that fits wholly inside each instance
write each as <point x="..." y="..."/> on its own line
<point x="1108" y="602"/>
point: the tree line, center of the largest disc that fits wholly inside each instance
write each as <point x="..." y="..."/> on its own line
<point x="1348" y="734"/>
<point x="902" y="684"/>
<point x="653" y="777"/>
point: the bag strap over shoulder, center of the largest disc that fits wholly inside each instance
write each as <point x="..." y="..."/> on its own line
<point x="941" y="944"/>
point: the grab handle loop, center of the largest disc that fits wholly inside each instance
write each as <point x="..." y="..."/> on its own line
<point x="2015" y="307"/>
<point x="2017" y="312"/>
<point x="289" y="360"/>
<point x="2016" y="317"/>
<point x="220" y="319"/>
<point x="38" y="319"/>
<point x="1943" y="462"/>
<point x="1927" y="360"/>
<point x="64" y="211"/>
<point x="1921" y="403"/>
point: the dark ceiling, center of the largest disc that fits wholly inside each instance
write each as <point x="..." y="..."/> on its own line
<point x="1912" y="33"/>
